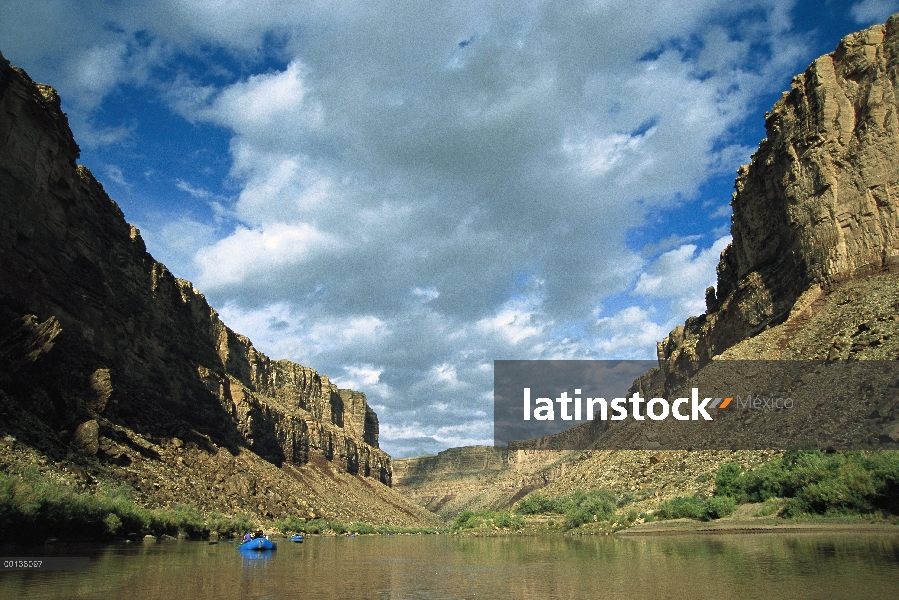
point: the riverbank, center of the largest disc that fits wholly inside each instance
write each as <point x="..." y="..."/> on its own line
<point x="685" y="526"/>
<point x="743" y="521"/>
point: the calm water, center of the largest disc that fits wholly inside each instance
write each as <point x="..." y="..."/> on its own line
<point x="686" y="566"/>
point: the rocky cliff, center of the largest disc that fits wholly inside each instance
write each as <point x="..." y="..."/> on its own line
<point x="113" y="368"/>
<point x="816" y="206"/>
<point x="811" y="273"/>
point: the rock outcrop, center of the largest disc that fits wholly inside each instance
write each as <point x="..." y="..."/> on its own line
<point x="817" y="205"/>
<point x="110" y="365"/>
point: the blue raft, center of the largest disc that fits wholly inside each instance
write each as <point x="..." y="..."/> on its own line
<point x="257" y="544"/>
<point x="298" y="538"/>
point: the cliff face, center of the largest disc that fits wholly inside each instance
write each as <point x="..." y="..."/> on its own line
<point x="817" y="205"/>
<point x="106" y="358"/>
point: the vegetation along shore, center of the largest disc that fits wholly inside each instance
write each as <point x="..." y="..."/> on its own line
<point x="799" y="490"/>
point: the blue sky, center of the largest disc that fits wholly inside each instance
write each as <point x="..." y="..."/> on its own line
<point x="397" y="194"/>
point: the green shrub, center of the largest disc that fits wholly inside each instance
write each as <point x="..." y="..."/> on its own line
<point x="486" y="518"/>
<point x="682" y="507"/>
<point x="291" y="524"/>
<point x="578" y="508"/>
<point x="772" y="506"/>
<point x="466" y="520"/>
<point x="727" y="481"/>
<point x="314" y="526"/>
<point x="361" y="528"/>
<point x="625" y="499"/>
<point x="36" y="506"/>
<point x="338" y="528"/>
<point x="717" y="507"/>
<point x="113" y="523"/>
<point x="506" y="520"/>
<point x="812" y="482"/>
<point x="577" y="517"/>
<point x="538" y="504"/>
<point x="694" y="507"/>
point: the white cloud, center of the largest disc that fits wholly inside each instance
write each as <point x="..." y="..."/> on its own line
<point x="672" y="241"/>
<point x="266" y="104"/>
<point x="115" y="174"/>
<point x="445" y="375"/>
<point x="365" y="377"/>
<point x="383" y="171"/>
<point x="195" y="192"/>
<point x="598" y="156"/>
<point x="282" y="330"/>
<point x="681" y="272"/>
<point x="680" y="277"/>
<point x="426" y="294"/>
<point x="471" y="433"/>
<point x="92" y="136"/>
<point x="176" y="242"/>
<point x="724" y="210"/>
<point x="96" y="72"/>
<point x="629" y="334"/>
<point x="515" y="323"/>
<point x="869" y="12"/>
<point x="246" y="253"/>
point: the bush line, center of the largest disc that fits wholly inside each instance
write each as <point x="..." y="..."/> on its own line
<point x="802" y="483"/>
<point x="36" y="507"/>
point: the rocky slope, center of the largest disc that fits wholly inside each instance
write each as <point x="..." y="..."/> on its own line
<point x="115" y="371"/>
<point x="811" y="273"/>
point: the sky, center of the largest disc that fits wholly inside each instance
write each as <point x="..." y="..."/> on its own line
<point x="397" y="194"/>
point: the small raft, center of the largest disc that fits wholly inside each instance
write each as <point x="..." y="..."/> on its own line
<point x="257" y="544"/>
<point x="298" y="538"/>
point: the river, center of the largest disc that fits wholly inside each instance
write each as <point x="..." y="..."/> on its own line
<point x="764" y="566"/>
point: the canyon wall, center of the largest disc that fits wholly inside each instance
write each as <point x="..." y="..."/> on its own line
<point x="817" y="205"/>
<point x="103" y="351"/>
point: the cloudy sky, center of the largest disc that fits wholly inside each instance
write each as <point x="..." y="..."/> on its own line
<point x="399" y="193"/>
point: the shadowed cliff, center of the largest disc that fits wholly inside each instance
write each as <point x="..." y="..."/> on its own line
<point x="113" y="369"/>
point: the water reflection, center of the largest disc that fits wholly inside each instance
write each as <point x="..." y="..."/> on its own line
<point x="685" y="566"/>
<point x="256" y="559"/>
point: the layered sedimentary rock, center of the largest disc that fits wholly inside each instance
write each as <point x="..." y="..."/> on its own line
<point x="108" y="358"/>
<point x="476" y="477"/>
<point x="817" y="205"/>
<point x="454" y="461"/>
